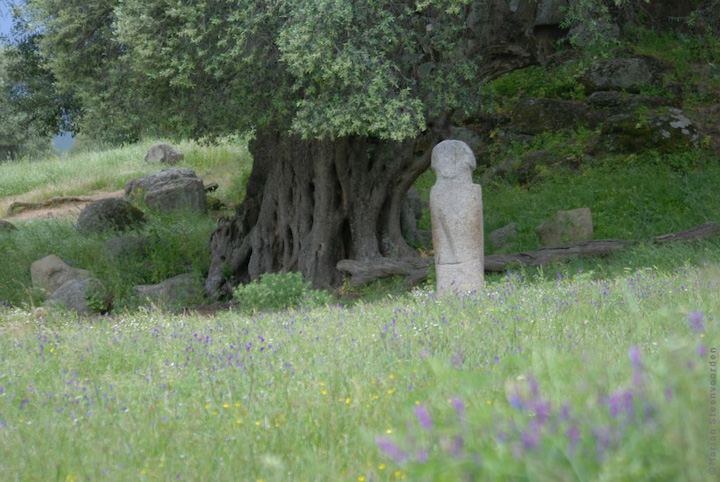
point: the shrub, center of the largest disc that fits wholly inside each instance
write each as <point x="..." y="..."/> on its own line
<point x="277" y="291"/>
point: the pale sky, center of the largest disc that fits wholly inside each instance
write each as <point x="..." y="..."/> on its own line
<point x="5" y="17"/>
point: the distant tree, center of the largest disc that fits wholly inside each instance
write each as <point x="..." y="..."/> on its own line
<point x="30" y="109"/>
<point x="78" y="46"/>
<point x="12" y="136"/>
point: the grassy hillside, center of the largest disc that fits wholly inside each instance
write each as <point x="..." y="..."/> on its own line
<point x="108" y="169"/>
<point x="177" y="243"/>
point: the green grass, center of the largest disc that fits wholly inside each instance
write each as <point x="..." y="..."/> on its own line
<point x="627" y="200"/>
<point x="694" y="59"/>
<point x="174" y="245"/>
<point x="537" y="81"/>
<point x="333" y="393"/>
<point x="633" y="198"/>
<point x="109" y="170"/>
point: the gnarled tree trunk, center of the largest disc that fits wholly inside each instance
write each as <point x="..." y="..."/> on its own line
<point x="311" y="203"/>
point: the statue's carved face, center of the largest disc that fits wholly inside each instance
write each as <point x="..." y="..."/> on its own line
<point x="453" y="160"/>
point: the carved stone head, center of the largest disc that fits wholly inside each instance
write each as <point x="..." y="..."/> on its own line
<point x="453" y="160"/>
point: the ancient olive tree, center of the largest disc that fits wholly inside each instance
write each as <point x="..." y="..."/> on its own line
<point x="345" y="99"/>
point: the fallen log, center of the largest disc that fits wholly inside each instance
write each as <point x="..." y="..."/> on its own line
<point x="19" y="206"/>
<point x="703" y="231"/>
<point x="538" y="257"/>
<point x="362" y="272"/>
<point x="416" y="269"/>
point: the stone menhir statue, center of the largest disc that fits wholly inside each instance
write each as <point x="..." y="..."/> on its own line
<point x="456" y="212"/>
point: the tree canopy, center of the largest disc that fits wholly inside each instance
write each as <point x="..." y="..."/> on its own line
<point x="324" y="68"/>
<point x="320" y="68"/>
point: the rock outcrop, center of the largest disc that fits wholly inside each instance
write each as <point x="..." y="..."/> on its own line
<point x="177" y="188"/>
<point x="566" y="227"/>
<point x="164" y="154"/>
<point x="109" y="214"/>
<point x="180" y="289"/>
<point x="51" y="272"/>
<point x="85" y="296"/>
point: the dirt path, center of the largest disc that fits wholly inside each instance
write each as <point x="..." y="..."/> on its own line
<point x="68" y="209"/>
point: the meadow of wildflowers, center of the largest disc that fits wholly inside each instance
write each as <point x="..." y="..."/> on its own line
<point x="570" y="379"/>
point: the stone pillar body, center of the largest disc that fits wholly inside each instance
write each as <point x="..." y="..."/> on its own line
<point x="456" y="212"/>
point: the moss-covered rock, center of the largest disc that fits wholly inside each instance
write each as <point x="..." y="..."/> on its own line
<point x="109" y="214"/>
<point x="630" y="74"/>
<point x="665" y="132"/>
<point x="533" y="116"/>
<point x="7" y="226"/>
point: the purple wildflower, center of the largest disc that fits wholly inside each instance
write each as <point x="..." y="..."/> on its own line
<point x="422" y="457"/>
<point x="459" y="406"/>
<point x="391" y="450"/>
<point x="456" y="446"/>
<point x="543" y="409"/>
<point x="621" y="401"/>
<point x="701" y="350"/>
<point x="573" y="435"/>
<point x="530" y="438"/>
<point x="533" y="386"/>
<point x="423" y="417"/>
<point x="695" y="320"/>
<point x="628" y="401"/>
<point x="516" y="401"/>
<point x="634" y="354"/>
<point x="456" y="359"/>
